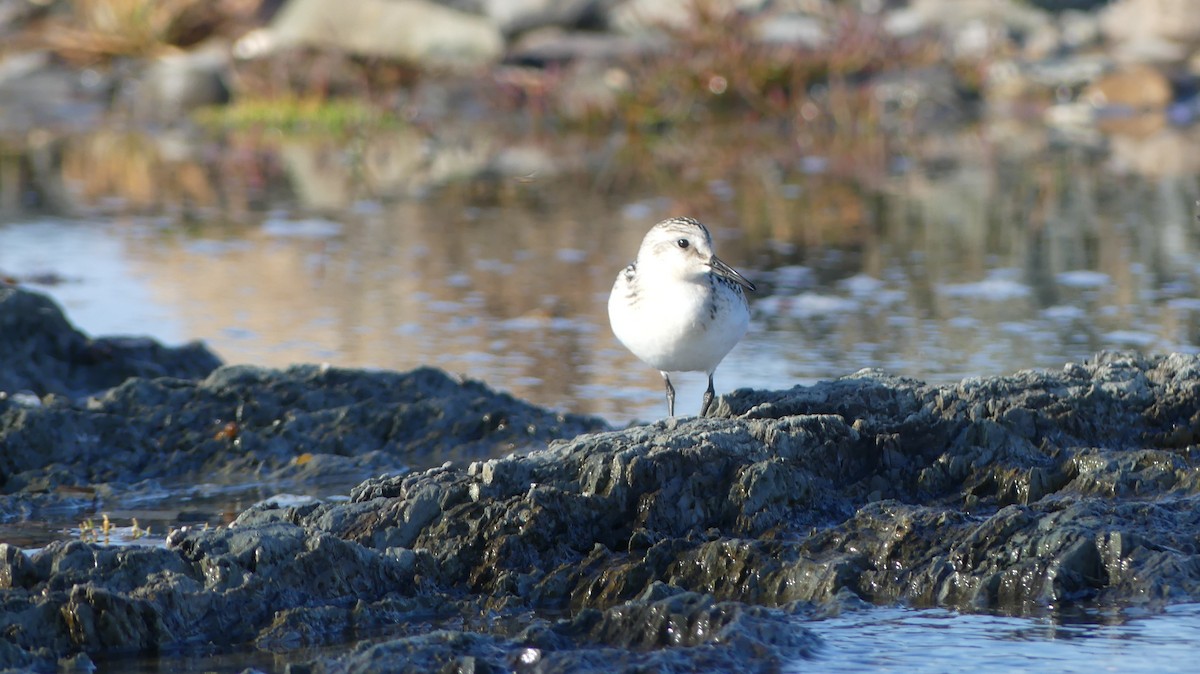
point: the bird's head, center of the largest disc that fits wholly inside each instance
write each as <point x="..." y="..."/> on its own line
<point x="682" y="248"/>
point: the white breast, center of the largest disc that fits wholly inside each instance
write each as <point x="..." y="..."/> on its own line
<point x="675" y="327"/>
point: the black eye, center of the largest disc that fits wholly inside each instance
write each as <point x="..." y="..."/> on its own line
<point x="683" y="243"/>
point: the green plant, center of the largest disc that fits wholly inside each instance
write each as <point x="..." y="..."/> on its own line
<point x="294" y="115"/>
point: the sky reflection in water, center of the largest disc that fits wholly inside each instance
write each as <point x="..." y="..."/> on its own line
<point x="935" y="640"/>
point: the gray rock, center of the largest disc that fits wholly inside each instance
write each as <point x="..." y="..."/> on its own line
<point x="410" y="30"/>
<point x="682" y="632"/>
<point x="685" y="545"/>
<point x="794" y="30"/>
<point x="1079" y="29"/>
<point x="308" y="428"/>
<point x="517" y="16"/>
<point x="970" y="28"/>
<point x="243" y="421"/>
<point x="638" y="16"/>
<point x="40" y="351"/>
<point x="172" y="85"/>
<point x="220" y="586"/>
<point x="554" y="47"/>
<point x="884" y="468"/>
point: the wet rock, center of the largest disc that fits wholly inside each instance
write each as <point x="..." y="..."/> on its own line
<point x="218" y="586"/>
<point x="409" y="30"/>
<point x="896" y="476"/>
<point x="309" y="428"/>
<point x="438" y="651"/>
<point x="244" y="422"/>
<point x="683" y="632"/>
<point x="41" y="352"/>
<point x="690" y="544"/>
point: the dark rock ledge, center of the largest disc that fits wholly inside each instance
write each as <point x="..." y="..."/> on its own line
<point x="702" y="544"/>
<point x="43" y="354"/>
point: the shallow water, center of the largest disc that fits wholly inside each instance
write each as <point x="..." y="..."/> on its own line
<point x="927" y="641"/>
<point x="935" y="640"/>
<point x="144" y="514"/>
<point x="985" y="268"/>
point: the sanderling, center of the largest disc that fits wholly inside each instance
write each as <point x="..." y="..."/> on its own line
<point x="678" y="307"/>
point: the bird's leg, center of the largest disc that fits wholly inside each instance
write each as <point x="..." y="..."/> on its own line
<point x="708" y="397"/>
<point x="670" y="395"/>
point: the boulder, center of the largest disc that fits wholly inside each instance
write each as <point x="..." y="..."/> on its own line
<point x="1161" y="31"/>
<point x="416" y="31"/>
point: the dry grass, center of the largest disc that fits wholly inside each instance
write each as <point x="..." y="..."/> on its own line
<point x="97" y="31"/>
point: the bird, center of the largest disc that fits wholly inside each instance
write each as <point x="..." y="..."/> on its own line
<point x="678" y="307"/>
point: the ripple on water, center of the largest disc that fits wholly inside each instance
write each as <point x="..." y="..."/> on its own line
<point x="936" y="640"/>
<point x="1083" y="279"/>
<point x="1131" y="338"/>
<point x="861" y="284"/>
<point x="990" y="290"/>
<point x="806" y="305"/>
<point x="309" y="228"/>
<point x="1064" y="313"/>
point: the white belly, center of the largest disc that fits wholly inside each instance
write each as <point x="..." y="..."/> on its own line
<point x="679" y="331"/>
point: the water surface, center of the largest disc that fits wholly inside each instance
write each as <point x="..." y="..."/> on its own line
<point x="935" y="640"/>
<point x="978" y="250"/>
<point x="889" y="639"/>
<point x="967" y="257"/>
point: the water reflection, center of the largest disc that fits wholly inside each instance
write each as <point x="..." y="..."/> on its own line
<point x="981" y="250"/>
<point x="935" y="640"/>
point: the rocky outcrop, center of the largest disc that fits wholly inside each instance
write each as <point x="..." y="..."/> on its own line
<point x="42" y="353"/>
<point x="683" y="545"/>
<point x="245" y="419"/>
<point x="1007" y="493"/>
<point x="308" y="424"/>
